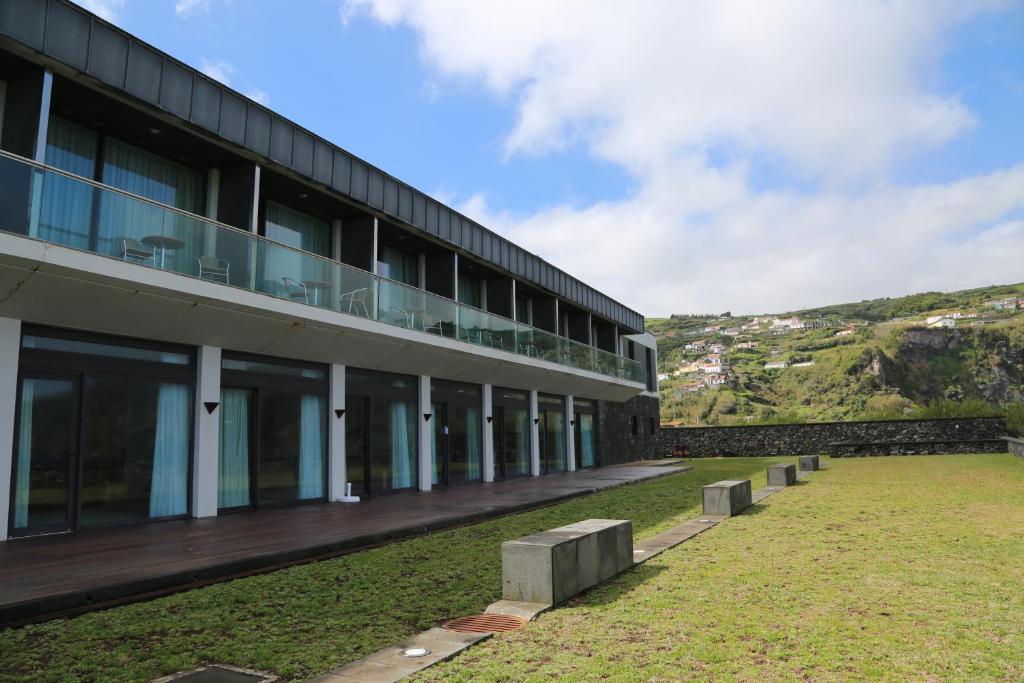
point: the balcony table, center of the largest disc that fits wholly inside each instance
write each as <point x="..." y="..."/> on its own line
<point x="316" y="286"/>
<point x="163" y="243"/>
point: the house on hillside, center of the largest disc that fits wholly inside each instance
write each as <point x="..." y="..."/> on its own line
<point x="715" y="380"/>
<point x="804" y="364"/>
<point x="748" y="345"/>
<point x="776" y="365"/>
<point x="942" y="322"/>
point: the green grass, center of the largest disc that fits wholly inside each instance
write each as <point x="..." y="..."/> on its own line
<point x="907" y="568"/>
<point x="307" y="620"/>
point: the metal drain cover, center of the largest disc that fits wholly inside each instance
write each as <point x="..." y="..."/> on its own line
<point x="218" y="673"/>
<point x="485" y="623"/>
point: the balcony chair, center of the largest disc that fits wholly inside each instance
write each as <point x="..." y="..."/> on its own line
<point x="400" y="316"/>
<point x="213" y="268"/>
<point x="137" y="252"/>
<point x="355" y="302"/>
<point x="433" y="325"/>
<point x="295" y="290"/>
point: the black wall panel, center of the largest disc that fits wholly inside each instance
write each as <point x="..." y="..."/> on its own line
<point x="405" y="203"/>
<point x="232" y="117"/>
<point x="302" y="153"/>
<point x="431" y="223"/>
<point x="206" y="104"/>
<point x="342" y="178"/>
<point x="143" y="77"/>
<point x="419" y="210"/>
<point x="108" y="55"/>
<point x="67" y="35"/>
<point x="359" y="180"/>
<point x="281" y="133"/>
<point x="25" y="21"/>
<point x="257" y="129"/>
<point x="375" y="188"/>
<point x="391" y="196"/>
<point x="176" y="89"/>
<point x="444" y="223"/>
<point x="323" y="160"/>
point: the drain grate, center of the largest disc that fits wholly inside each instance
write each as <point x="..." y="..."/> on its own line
<point x="485" y="623"/>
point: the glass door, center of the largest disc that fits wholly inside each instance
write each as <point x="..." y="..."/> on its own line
<point x="439" y="445"/>
<point x="46" y="465"/>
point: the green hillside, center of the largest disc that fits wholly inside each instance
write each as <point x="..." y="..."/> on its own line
<point x="879" y="359"/>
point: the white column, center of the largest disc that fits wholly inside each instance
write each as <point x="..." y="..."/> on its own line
<point x="487" y="425"/>
<point x="374" y="252"/>
<point x="254" y="214"/>
<point x="570" y="435"/>
<point x="421" y="267"/>
<point x="425" y="408"/>
<point x="212" y="203"/>
<point x="336" y="474"/>
<point x="534" y="436"/>
<point x="207" y="433"/>
<point x="335" y="277"/>
<point x="514" y="315"/>
<point x="10" y="347"/>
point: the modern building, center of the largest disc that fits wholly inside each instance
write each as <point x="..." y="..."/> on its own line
<point x="205" y="307"/>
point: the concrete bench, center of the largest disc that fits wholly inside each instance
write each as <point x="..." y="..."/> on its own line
<point x="781" y="475"/>
<point x="809" y="463"/>
<point x="727" y="498"/>
<point x="552" y="566"/>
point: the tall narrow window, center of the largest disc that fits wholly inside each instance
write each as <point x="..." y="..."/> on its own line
<point x="469" y="291"/>
<point x="398" y="265"/>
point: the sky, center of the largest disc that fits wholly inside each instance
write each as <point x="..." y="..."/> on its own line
<point x="681" y="157"/>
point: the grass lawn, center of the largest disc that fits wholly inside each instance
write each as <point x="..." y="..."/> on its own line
<point x="902" y="568"/>
<point x="307" y="620"/>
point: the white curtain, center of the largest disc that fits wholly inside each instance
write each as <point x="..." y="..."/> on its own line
<point x="401" y="445"/>
<point x="168" y="494"/>
<point x="311" y="448"/>
<point x="233" y="463"/>
<point x="21" y="489"/>
<point x="299" y="231"/>
<point x="473" y="442"/>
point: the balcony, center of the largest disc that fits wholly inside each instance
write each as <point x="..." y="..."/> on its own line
<point x="47" y="204"/>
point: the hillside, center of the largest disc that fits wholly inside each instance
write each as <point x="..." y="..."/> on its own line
<point x="927" y="354"/>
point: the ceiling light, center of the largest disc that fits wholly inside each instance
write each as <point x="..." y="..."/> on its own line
<point x="154" y="131"/>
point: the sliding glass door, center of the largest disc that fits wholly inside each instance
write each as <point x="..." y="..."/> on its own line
<point x="273" y="436"/>
<point x="584" y="422"/>
<point x="511" y="426"/>
<point x="552" y="433"/>
<point x="103" y="432"/>
<point x="456" y="446"/>
<point x="380" y="431"/>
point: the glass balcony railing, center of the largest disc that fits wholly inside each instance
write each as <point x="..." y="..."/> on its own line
<point x="51" y="205"/>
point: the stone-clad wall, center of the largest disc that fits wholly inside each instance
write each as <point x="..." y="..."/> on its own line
<point x="894" y="437"/>
<point x="616" y="441"/>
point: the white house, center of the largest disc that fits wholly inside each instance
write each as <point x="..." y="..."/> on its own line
<point x="776" y="365"/>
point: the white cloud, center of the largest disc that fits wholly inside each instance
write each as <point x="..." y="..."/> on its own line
<point x="225" y="73"/>
<point x="186" y="8"/>
<point x="217" y="70"/>
<point x="107" y="9"/>
<point x="258" y="95"/>
<point x="695" y="100"/>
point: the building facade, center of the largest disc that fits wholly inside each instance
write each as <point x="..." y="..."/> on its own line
<point x="206" y="308"/>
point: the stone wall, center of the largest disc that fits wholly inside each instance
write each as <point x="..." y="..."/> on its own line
<point x="616" y="441"/>
<point x="893" y="437"/>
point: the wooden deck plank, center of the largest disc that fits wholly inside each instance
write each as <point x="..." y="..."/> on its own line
<point x="41" y="577"/>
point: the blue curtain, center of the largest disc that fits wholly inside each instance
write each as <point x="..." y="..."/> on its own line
<point x="522" y="427"/>
<point x="147" y="175"/>
<point x="311" y="448"/>
<point x="233" y="463"/>
<point x="473" y="442"/>
<point x="168" y="493"/>
<point x="587" y="440"/>
<point x="21" y="488"/>
<point x="402" y="442"/>
<point x="65" y="212"/>
<point x="556" y="428"/>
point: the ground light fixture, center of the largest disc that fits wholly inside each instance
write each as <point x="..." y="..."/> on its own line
<point x="414" y="652"/>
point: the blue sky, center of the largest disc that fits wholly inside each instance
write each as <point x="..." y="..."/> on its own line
<point x="753" y="160"/>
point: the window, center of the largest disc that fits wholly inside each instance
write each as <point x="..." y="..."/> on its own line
<point x="398" y="265"/>
<point x="634" y="425"/>
<point x="469" y="291"/>
<point x="380" y="431"/>
<point x="511" y="432"/>
<point x="651" y="424"/>
<point x="457" y="435"/>
<point x="294" y="229"/>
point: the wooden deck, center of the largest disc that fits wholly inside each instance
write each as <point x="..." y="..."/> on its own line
<point x="57" y="575"/>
